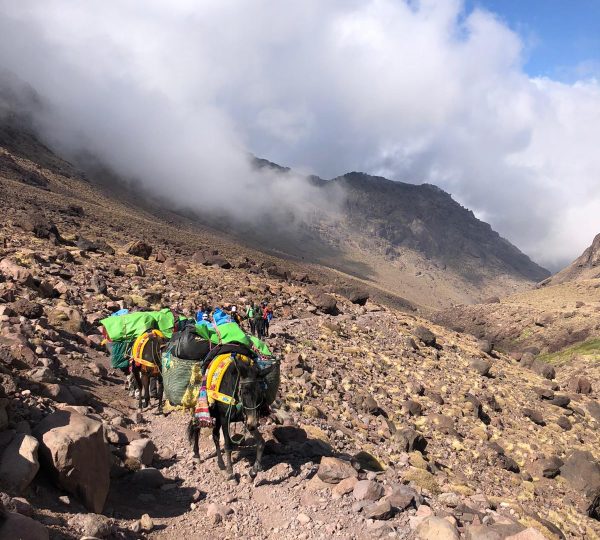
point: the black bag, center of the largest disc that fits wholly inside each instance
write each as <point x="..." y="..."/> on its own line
<point x="188" y="345"/>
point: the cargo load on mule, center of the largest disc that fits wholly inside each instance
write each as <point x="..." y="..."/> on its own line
<point x="123" y="328"/>
<point x="135" y="341"/>
<point x="189" y="353"/>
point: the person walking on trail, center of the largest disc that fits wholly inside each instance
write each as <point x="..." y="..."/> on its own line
<point x="250" y="316"/>
<point x="267" y="315"/>
<point x="259" y="322"/>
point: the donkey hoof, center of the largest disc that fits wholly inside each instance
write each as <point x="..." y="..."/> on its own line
<point x="231" y="478"/>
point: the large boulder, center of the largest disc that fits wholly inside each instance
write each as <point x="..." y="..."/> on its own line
<point x="66" y="318"/>
<point x="28" y="309"/>
<point x="425" y="335"/>
<point x="367" y="490"/>
<point x="436" y="528"/>
<point x="211" y="258"/>
<point x="333" y="470"/>
<point x="409" y="440"/>
<point x="358" y="296"/>
<point x="73" y="451"/>
<point x="138" y="248"/>
<point x="325" y="303"/>
<point x="218" y="261"/>
<point x="142" y="450"/>
<point x="582" y="471"/>
<point x="19" y="463"/>
<point x="17" y="273"/>
<point x="580" y="385"/>
<point x="40" y="226"/>
<point x="544" y="369"/>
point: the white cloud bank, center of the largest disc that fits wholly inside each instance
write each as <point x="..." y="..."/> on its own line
<point x="177" y="92"/>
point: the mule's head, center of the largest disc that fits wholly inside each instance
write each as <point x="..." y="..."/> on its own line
<point x="250" y="393"/>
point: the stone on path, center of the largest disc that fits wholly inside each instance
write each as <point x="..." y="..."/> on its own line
<point x="18" y="527"/>
<point x="367" y="490"/>
<point x="73" y="451"/>
<point x="143" y="450"/>
<point x="333" y="470"/>
<point x="435" y="528"/>
<point x="582" y="471"/>
<point x="527" y="534"/>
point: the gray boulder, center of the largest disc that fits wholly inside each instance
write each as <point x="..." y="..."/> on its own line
<point x="19" y="463"/>
<point x="333" y="470"/>
<point x="73" y="451"/>
<point x="582" y="471"/>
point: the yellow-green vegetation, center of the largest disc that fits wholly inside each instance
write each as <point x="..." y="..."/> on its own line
<point x="526" y="333"/>
<point x="587" y="348"/>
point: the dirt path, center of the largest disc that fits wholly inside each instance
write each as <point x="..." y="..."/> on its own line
<point x="283" y="502"/>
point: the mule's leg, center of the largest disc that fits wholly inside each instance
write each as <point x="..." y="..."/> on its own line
<point x="228" y="448"/>
<point x="137" y="377"/>
<point x="216" y="434"/>
<point x="146" y="384"/>
<point x="141" y="389"/>
<point x="260" y="447"/>
<point x="196" y="443"/>
<point x="160" y="389"/>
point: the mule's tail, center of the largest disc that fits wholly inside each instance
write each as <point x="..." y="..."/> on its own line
<point x="192" y="429"/>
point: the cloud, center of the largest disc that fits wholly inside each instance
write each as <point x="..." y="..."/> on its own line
<point x="420" y="91"/>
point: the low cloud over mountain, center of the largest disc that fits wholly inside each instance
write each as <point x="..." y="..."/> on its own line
<point x="419" y="91"/>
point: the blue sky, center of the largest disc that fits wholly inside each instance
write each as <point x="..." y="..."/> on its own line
<point x="562" y="37"/>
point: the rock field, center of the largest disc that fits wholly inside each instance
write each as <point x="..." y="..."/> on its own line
<point x="386" y="426"/>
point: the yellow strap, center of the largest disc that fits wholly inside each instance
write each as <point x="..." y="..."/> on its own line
<point x="140" y="343"/>
<point x="216" y="371"/>
<point x="145" y="362"/>
<point x="213" y="396"/>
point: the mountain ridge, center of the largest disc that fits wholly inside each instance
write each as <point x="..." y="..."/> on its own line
<point x="409" y="240"/>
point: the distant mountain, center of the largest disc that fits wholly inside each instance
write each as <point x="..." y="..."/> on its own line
<point x="413" y="240"/>
<point x="407" y="240"/>
<point x="587" y="266"/>
<point x="426" y="219"/>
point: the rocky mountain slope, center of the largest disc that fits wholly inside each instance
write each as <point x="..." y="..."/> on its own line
<point x="587" y="266"/>
<point x="559" y="318"/>
<point x="386" y="426"/>
<point x="412" y="240"/>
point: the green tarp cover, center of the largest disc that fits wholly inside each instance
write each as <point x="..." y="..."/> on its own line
<point x="128" y="327"/>
<point x="231" y="333"/>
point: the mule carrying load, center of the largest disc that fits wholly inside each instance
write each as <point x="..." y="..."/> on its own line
<point x="191" y="351"/>
<point x="136" y="341"/>
<point x="122" y="329"/>
<point x="235" y="381"/>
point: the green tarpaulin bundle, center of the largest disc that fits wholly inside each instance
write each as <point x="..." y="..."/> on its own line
<point x="128" y="327"/>
<point x="272" y="378"/>
<point x="232" y="333"/>
<point x="119" y="354"/>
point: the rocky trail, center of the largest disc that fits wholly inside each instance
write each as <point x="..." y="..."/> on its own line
<point x="386" y="425"/>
